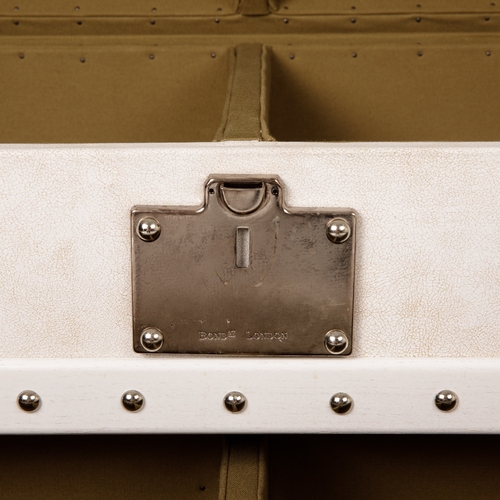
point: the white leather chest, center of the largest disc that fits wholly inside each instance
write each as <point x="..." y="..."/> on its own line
<point x="427" y="277"/>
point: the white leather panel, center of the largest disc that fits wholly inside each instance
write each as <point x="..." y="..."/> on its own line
<point x="428" y="260"/>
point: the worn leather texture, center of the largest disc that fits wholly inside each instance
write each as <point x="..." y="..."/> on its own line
<point x="428" y="262"/>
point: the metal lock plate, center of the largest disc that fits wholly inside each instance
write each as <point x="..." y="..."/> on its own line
<point x="243" y="274"/>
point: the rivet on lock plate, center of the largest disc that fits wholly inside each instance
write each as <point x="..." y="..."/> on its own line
<point x="243" y="274"/>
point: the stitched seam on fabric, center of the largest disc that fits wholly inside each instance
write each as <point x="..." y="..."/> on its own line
<point x="224" y="473"/>
<point x="265" y="95"/>
<point x="219" y="136"/>
<point x="230" y="98"/>
<point x="261" y="107"/>
<point x="261" y="478"/>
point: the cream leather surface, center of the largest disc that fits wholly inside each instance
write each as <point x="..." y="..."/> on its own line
<point x="428" y="261"/>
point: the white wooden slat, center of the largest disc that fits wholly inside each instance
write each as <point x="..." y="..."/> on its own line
<point x="185" y="395"/>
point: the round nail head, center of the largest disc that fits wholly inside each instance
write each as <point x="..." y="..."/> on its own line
<point x="341" y="403"/>
<point x="29" y="401"/>
<point x="336" y="342"/>
<point x="148" y="229"/>
<point x="338" y="230"/>
<point x="152" y="339"/>
<point x="446" y="400"/>
<point x="133" y="401"/>
<point x="235" y="402"/>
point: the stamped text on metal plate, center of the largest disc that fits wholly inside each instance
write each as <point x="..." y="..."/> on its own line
<point x="243" y="274"/>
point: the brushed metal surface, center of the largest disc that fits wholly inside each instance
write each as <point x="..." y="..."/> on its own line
<point x="276" y="287"/>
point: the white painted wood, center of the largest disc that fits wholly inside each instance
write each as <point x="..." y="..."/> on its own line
<point x="185" y="395"/>
<point x="428" y="261"/>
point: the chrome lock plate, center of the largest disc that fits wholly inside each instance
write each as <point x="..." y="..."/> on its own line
<point x="243" y="274"/>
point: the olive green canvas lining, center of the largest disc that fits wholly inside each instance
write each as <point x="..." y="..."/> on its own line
<point x="243" y="472"/>
<point x="82" y="8"/>
<point x="355" y="7"/>
<point x="108" y="94"/>
<point x="251" y="26"/>
<point x="362" y="92"/>
<point x="286" y="467"/>
<point x="265" y="94"/>
<point x="382" y="467"/>
<point x="110" y="467"/>
<point x="245" y="111"/>
<point x="254" y="7"/>
<point x="250" y="70"/>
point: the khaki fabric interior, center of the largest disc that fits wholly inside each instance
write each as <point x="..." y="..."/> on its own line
<point x="123" y="467"/>
<point x="366" y="92"/>
<point x="246" y="110"/>
<point x="288" y="467"/>
<point x="255" y="7"/>
<point x="249" y="28"/>
<point x="244" y="469"/>
<point x="294" y="7"/>
<point x="290" y="70"/>
<point x="110" y="467"/>
<point x="78" y="8"/>
<point x="403" y="467"/>
<point x="116" y="95"/>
